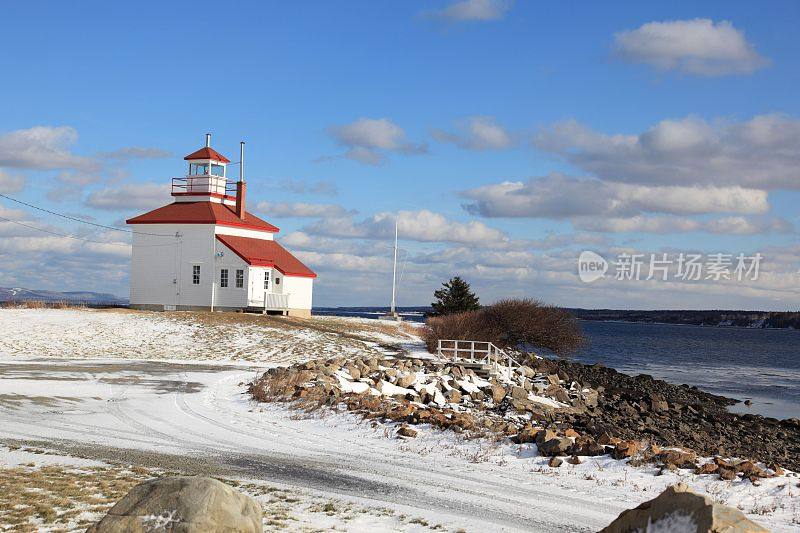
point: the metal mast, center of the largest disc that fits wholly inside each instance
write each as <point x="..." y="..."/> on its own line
<point x="393" y="312"/>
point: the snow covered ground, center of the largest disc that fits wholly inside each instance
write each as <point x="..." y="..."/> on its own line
<point x="196" y="417"/>
<point x="115" y="333"/>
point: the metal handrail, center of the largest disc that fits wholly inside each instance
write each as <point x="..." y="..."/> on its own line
<point x="210" y="184"/>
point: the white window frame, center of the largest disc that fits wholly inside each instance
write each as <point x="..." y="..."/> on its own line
<point x="239" y="278"/>
<point x="196" y="273"/>
<point x="224" y="279"/>
<point x="266" y="280"/>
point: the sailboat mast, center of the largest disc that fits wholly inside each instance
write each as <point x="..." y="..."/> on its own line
<point x="394" y="270"/>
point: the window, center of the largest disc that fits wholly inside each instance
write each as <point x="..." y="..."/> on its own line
<point x="197" y="169"/>
<point x="277" y="280"/>
<point x="195" y="274"/>
<point x="266" y="280"/>
<point x="239" y="279"/>
<point x="218" y="170"/>
<point x="223" y="277"/>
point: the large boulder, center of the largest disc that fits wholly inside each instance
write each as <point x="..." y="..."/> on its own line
<point x="182" y="505"/>
<point x="680" y="509"/>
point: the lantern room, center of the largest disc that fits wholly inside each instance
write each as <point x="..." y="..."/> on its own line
<point x="206" y="177"/>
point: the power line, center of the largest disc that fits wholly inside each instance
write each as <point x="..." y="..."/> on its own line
<point x="63" y="235"/>
<point x="76" y="219"/>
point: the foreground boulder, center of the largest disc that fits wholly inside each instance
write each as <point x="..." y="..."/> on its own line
<point x="679" y="509"/>
<point x="182" y="505"/>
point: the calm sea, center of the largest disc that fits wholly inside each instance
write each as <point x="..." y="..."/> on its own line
<point x="762" y="365"/>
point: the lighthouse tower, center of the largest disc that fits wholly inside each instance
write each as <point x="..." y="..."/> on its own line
<point x="204" y="251"/>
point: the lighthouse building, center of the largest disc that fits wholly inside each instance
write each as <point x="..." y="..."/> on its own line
<point x="204" y="251"/>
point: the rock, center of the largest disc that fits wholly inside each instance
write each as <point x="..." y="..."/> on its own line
<point x="571" y="433"/>
<point x="574" y="460"/>
<point x="555" y="462"/>
<point x="708" y="468"/>
<point x="182" y="505"/>
<point x="555" y="446"/>
<point x="527" y="371"/>
<point x="519" y="393"/>
<point x="553" y="379"/>
<point x="727" y="474"/>
<point x="453" y="396"/>
<point x="590" y="397"/>
<point x="406" y="432"/>
<point x="557" y="392"/>
<point x="625" y="449"/>
<point x="680" y="509"/>
<point x="525" y="435"/>
<point x="354" y="372"/>
<point x="678" y="458"/>
<point x="498" y="393"/>
<point x="406" y="380"/>
<point x="477" y="396"/>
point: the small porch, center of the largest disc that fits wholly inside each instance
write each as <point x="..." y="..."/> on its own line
<point x="269" y="302"/>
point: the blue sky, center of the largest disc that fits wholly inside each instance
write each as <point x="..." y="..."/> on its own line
<point x="623" y="127"/>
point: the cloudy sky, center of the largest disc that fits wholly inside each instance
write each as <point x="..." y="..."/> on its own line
<point x="506" y="138"/>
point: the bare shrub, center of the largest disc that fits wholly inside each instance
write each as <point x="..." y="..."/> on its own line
<point x="510" y="324"/>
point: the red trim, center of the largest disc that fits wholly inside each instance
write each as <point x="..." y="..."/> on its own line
<point x="224" y="239"/>
<point x="211" y="194"/>
<point x="218" y="223"/>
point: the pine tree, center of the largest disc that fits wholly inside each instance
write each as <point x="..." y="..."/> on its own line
<point x="455" y="296"/>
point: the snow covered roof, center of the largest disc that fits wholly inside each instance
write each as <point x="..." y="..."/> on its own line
<point x="202" y="213"/>
<point x="207" y="153"/>
<point x="268" y="253"/>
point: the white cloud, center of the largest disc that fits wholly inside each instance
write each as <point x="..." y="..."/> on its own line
<point x="10" y="183"/>
<point x="300" y="209"/>
<point x="698" y="46"/>
<point x="42" y="148"/>
<point x="423" y="225"/>
<point x="368" y="140"/>
<point x="477" y="133"/>
<point x="297" y="186"/>
<point x="130" y="196"/>
<point x="560" y="196"/>
<point x="473" y="10"/>
<point x="761" y="153"/>
<point x="136" y="152"/>
<point x="675" y="224"/>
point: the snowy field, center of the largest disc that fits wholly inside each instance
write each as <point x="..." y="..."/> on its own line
<point x="94" y="404"/>
<point x="116" y="333"/>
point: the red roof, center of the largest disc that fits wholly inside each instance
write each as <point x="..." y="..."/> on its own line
<point x="268" y="253"/>
<point x="207" y="153"/>
<point x="202" y="213"/>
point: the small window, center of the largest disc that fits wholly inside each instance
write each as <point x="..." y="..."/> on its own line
<point x="239" y="279"/>
<point x="223" y="278"/>
<point x="198" y="169"/>
<point x="266" y="280"/>
<point x="277" y="281"/>
<point x="195" y="274"/>
<point x="218" y="170"/>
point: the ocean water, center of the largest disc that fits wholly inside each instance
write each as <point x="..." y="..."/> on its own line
<point x="762" y="365"/>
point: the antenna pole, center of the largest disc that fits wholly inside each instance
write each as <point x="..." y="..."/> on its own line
<point x="241" y="161"/>
<point x="394" y="271"/>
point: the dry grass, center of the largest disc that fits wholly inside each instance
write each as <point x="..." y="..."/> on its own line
<point x="61" y="498"/>
<point x="39" y="304"/>
<point x="510" y="324"/>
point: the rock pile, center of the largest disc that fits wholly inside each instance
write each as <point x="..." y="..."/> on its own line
<point x="538" y="404"/>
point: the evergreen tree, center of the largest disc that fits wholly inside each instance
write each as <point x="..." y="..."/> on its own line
<point x="455" y="296"/>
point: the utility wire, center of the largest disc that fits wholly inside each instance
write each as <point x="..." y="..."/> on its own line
<point x="18" y="223"/>
<point x="76" y="219"/>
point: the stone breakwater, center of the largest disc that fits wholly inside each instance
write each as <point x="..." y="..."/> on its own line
<point x="566" y="409"/>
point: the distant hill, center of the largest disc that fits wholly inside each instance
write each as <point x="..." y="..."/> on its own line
<point x="18" y="294"/>
<point x="717" y="318"/>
